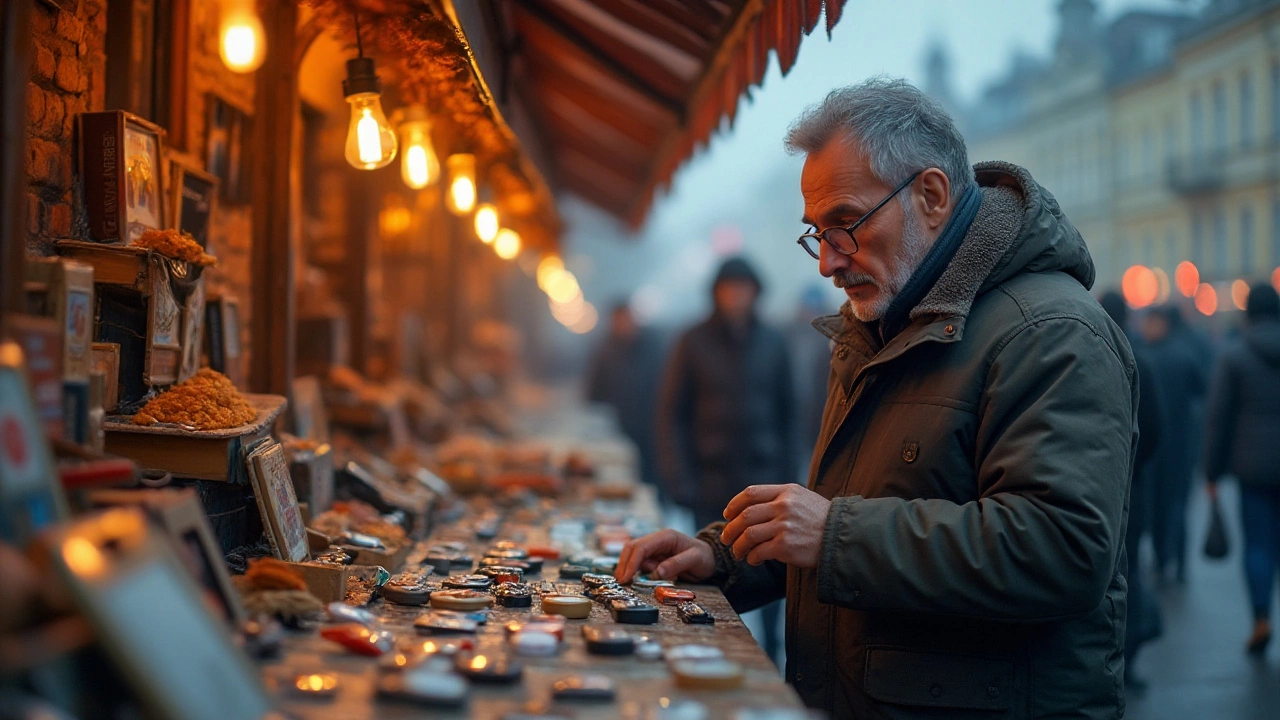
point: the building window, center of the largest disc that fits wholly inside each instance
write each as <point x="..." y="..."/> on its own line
<point x="1197" y="125"/>
<point x="1246" y="109"/>
<point x="1246" y="240"/>
<point x="1219" y="117"/>
<point x="1220" y="241"/>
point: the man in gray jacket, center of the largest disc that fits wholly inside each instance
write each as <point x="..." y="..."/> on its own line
<point x="959" y="549"/>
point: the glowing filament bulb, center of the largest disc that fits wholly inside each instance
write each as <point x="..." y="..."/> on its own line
<point x="241" y="39"/>
<point x="367" y="137"/>
<point x="487" y="223"/>
<point x="462" y="183"/>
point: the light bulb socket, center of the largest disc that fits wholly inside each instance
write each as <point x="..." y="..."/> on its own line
<point x="362" y="77"/>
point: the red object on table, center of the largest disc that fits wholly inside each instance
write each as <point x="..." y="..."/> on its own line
<point x="357" y="638"/>
<point x="673" y="595"/>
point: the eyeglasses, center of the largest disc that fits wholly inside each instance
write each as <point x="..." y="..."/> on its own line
<point x="841" y="239"/>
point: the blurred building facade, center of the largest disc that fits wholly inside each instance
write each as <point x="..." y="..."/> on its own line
<point x="1158" y="132"/>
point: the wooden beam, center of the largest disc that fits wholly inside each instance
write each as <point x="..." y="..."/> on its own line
<point x="274" y="326"/>
<point x="554" y="24"/>
<point x="15" y="36"/>
<point x="650" y="21"/>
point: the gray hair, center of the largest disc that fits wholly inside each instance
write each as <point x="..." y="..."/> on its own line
<point x="900" y="129"/>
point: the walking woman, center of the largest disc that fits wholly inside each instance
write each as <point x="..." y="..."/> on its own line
<point x="1243" y="424"/>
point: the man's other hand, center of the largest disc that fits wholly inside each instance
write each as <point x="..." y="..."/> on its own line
<point x="667" y="555"/>
<point x="776" y="522"/>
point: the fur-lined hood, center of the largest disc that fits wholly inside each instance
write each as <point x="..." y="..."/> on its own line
<point x="1019" y="229"/>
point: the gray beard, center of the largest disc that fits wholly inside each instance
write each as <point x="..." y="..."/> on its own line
<point x="906" y="258"/>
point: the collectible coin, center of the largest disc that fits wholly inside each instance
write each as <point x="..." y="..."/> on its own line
<point x="633" y="612"/>
<point x="707" y="674"/>
<point x="574" y="607"/>
<point x="467" y="582"/>
<point x="460" y="599"/>
<point x="532" y="643"/>
<point x="583" y="687"/>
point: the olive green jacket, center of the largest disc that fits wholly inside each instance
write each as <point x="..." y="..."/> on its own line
<point x="978" y="466"/>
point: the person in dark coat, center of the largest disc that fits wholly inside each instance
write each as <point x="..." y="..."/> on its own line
<point x="1242" y="439"/>
<point x="726" y="412"/>
<point x="1180" y="366"/>
<point x="959" y="548"/>
<point x="624" y="375"/>
<point x="1144" y="622"/>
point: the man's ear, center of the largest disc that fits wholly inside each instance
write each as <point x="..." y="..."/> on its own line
<point x="933" y="198"/>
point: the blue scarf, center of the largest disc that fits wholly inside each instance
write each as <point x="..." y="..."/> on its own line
<point x="897" y="317"/>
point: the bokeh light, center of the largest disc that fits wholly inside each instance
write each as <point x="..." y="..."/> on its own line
<point x="1187" y="277"/>
<point x="1139" y="286"/>
<point x="1239" y="294"/>
<point x="1206" y="299"/>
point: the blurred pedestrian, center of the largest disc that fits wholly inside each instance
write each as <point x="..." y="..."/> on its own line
<point x="1178" y="360"/>
<point x="624" y="375"/>
<point x="1242" y="439"/>
<point x="811" y="354"/>
<point x="1144" y="622"/>
<point x="726" y="413"/>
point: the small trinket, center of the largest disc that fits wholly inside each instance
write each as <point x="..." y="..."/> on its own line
<point x="513" y="595"/>
<point x="608" y="593"/>
<point x="360" y="540"/>
<point x="643" y="582"/>
<point x="447" y="646"/>
<point x="507" y="553"/>
<point x="694" y="652"/>
<point x="574" y="607"/>
<point x="584" y="687"/>
<point x="442" y="564"/>
<point x="573" y="572"/>
<point x="533" y="643"/>
<point x="501" y="574"/>
<point x="358" y="639"/>
<point x="633" y="612"/>
<point x="649" y="650"/>
<point x="604" y="565"/>
<point x="334" y="556"/>
<point x="441" y="624"/>
<point x="694" y="614"/>
<point x="316" y="684"/>
<point x="673" y="595"/>
<point x="342" y="612"/>
<point x="545" y="552"/>
<point x="407" y="589"/>
<point x="488" y="668"/>
<point x="707" y="674"/>
<point x="549" y="624"/>
<point x="460" y="599"/>
<point x="262" y="637"/>
<point x="608" y="641"/>
<point x="466" y="582"/>
<point x="427" y="687"/>
<point x="598" y="579"/>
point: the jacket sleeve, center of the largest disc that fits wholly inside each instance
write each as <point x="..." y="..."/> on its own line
<point x="744" y="585"/>
<point x="1220" y="416"/>
<point x="1054" y="452"/>
<point x="674" y="425"/>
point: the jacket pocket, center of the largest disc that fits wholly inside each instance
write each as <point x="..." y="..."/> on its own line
<point x="926" y="679"/>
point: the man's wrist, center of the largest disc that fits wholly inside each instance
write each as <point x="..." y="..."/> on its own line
<point x="725" y="561"/>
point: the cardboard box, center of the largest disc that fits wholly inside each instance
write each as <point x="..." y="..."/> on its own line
<point x="63" y="290"/>
<point x="326" y="582"/>
<point x="41" y="341"/>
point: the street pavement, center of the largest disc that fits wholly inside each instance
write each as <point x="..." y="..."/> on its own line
<point x="1198" y="669"/>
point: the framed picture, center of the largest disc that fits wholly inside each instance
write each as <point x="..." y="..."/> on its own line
<point x="273" y="489"/>
<point x="222" y="336"/>
<point x="179" y="512"/>
<point x="106" y="360"/>
<point x="120" y="159"/>
<point x="30" y="496"/>
<point x="226" y="134"/>
<point x="192" y="194"/>
<point x="192" y="332"/>
<point x="164" y="318"/>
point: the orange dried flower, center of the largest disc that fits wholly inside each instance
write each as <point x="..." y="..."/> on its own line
<point x="175" y="244"/>
<point x="271" y="574"/>
<point x="205" y="401"/>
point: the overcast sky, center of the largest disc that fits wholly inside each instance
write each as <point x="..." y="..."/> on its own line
<point x="741" y="186"/>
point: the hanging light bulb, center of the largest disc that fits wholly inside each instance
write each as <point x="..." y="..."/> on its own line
<point x="462" y="183"/>
<point x="419" y="166"/>
<point x="370" y="142"/>
<point x="241" y="40"/>
<point x="507" y="244"/>
<point x="487" y="223"/>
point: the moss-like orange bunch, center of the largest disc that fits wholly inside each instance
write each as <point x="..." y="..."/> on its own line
<point x="205" y="401"/>
<point x="175" y="244"/>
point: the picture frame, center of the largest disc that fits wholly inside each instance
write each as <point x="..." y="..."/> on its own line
<point x="179" y="512"/>
<point x="192" y="331"/>
<point x="193" y="195"/>
<point x="121" y="167"/>
<point x="222" y="336"/>
<point x="106" y="360"/>
<point x="164" y="327"/>
<point x="226" y="133"/>
<point x="273" y="490"/>
<point x="30" y="496"/>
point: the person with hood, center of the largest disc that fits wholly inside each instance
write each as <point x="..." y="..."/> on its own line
<point x="1241" y="432"/>
<point x="726" y="410"/>
<point x="959" y="549"/>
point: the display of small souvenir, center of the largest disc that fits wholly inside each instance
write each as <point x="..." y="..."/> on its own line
<point x="583" y="687"/>
<point x="440" y="563"/>
<point x="694" y="614"/>
<point x="608" y="641"/>
<point x="361" y="540"/>
<point x="643" y="582"/>
<point x="649" y="650"/>
<point x="707" y="674"/>
<point x="358" y="639"/>
<point x="673" y="595"/>
<point x="604" y="565"/>
<point x="527" y="566"/>
<point x="574" y="607"/>
<point x="598" y="579"/>
<point x="534" y="643"/>
<point x="426" y="687"/>
<point x="407" y="589"/>
<point x="342" y="612"/>
<point x="316" y="684"/>
<point x="483" y="668"/>
<point x="550" y="624"/>
<point x="466" y="582"/>
<point x="447" y="646"/>
<point x="545" y="552"/>
<point x="633" y="612"/>
<point x="335" y="556"/>
<point x="513" y="595"/>
<point x="501" y="573"/>
<point x="440" y="624"/>
<point x="573" y="572"/>
<point x="608" y="593"/>
<point x="694" y="652"/>
<point x="460" y="599"/>
<point x="507" y="553"/>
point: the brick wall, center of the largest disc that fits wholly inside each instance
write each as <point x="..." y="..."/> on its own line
<point x="68" y="67"/>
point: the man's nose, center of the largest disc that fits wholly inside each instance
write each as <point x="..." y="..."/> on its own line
<point x="830" y="261"/>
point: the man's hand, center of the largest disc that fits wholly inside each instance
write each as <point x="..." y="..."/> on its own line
<point x="776" y="522"/>
<point x="667" y="555"/>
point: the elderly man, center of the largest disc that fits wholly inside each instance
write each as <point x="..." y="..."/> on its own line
<point x="959" y="549"/>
